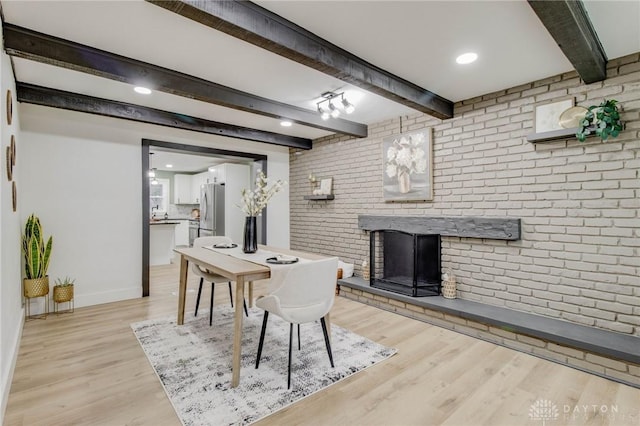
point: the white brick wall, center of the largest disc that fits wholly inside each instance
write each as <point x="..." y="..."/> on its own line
<point x="579" y="256"/>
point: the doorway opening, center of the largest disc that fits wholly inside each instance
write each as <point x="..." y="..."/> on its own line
<point x="217" y="156"/>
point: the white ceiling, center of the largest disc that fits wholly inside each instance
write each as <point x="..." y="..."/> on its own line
<point x="416" y="40"/>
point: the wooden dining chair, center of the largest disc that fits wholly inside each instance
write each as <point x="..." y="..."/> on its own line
<point x="212" y="277"/>
<point x="306" y="294"/>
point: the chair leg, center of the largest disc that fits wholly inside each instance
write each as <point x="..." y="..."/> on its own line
<point x="290" y="345"/>
<point x="198" y="299"/>
<point x="264" y="327"/>
<point x="298" y="336"/>
<point x="245" y="307"/>
<point x="326" y="340"/>
<point x="230" y="294"/>
<point x="213" y="286"/>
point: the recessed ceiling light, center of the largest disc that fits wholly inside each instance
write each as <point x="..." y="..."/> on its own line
<point x="286" y="123"/>
<point x="169" y="166"/>
<point x="467" y="58"/>
<point x="142" y="90"/>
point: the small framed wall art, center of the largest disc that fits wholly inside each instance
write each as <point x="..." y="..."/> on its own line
<point x="325" y="188"/>
<point x="547" y="115"/>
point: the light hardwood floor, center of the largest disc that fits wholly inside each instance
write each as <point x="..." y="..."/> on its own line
<point x="87" y="368"/>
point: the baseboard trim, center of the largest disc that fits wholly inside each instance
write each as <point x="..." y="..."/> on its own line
<point x="6" y="381"/>
<point x="116" y="295"/>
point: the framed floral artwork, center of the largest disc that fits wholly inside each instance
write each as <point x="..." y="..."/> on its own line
<point x="408" y="167"/>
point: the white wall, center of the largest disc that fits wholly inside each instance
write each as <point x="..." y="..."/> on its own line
<point x="87" y="195"/>
<point x="11" y="310"/>
<point x="82" y="177"/>
<point x="237" y="178"/>
<point x="278" y="214"/>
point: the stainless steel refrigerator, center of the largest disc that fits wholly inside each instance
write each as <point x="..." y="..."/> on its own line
<point x="211" y="210"/>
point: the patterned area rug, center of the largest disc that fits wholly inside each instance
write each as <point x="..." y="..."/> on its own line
<point x="193" y="361"/>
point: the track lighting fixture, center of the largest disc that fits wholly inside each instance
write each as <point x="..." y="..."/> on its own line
<point x="334" y="102"/>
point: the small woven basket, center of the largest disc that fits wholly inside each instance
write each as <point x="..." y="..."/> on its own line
<point x="449" y="287"/>
<point x="62" y="294"/>
<point x="36" y="287"/>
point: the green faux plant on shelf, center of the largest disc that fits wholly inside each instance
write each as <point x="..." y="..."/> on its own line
<point x="603" y="120"/>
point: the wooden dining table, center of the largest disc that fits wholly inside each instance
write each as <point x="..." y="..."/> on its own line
<point x="235" y="269"/>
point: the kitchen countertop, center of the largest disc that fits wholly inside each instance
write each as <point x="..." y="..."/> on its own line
<point x="161" y="218"/>
<point x="164" y="222"/>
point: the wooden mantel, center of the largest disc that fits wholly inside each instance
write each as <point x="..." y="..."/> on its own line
<point x="449" y="226"/>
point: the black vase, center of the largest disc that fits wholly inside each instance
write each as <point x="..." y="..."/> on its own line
<point x="250" y="235"/>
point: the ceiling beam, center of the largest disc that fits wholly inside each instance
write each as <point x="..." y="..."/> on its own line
<point x="29" y="44"/>
<point x="568" y="23"/>
<point x="38" y="95"/>
<point x="257" y="25"/>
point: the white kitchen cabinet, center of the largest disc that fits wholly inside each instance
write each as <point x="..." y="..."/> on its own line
<point x="182" y="189"/>
<point x="196" y="182"/>
<point x="218" y="174"/>
<point x="182" y="233"/>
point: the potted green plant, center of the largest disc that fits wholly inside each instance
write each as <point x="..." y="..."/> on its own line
<point x="63" y="290"/>
<point x="36" y="259"/>
<point x="603" y="119"/>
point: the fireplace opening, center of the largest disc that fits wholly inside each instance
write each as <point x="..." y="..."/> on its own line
<point x="405" y="263"/>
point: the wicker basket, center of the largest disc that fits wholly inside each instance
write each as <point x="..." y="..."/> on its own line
<point x="449" y="288"/>
<point x="36" y="287"/>
<point x="62" y="294"/>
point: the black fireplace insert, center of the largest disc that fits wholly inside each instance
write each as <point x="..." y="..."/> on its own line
<point x="405" y="263"/>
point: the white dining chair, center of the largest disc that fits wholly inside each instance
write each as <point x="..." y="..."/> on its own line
<point x="212" y="277"/>
<point x="306" y="294"/>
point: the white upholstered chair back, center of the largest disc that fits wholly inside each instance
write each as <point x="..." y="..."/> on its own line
<point x="306" y="292"/>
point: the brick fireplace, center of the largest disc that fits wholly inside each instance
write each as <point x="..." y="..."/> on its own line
<point x="405" y="263"/>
